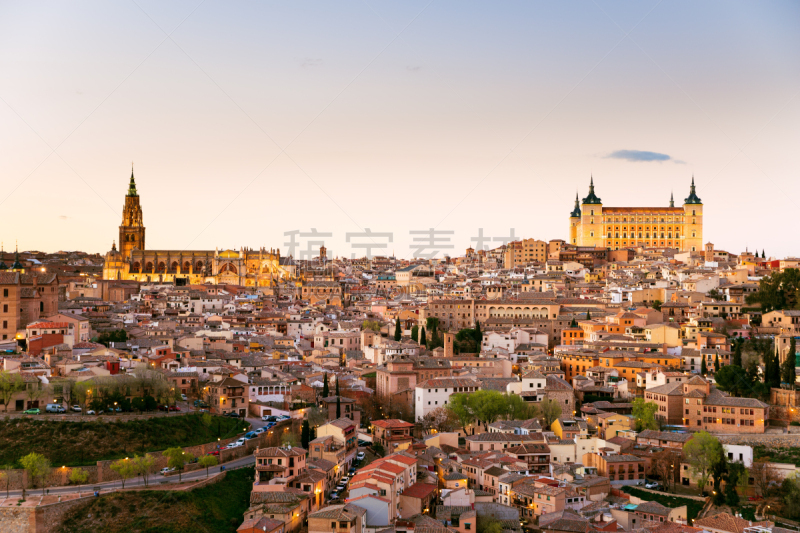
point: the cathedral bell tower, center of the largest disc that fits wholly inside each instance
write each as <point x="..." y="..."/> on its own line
<point x="131" y="231"/>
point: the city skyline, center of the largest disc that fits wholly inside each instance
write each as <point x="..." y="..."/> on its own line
<point x="396" y="119"/>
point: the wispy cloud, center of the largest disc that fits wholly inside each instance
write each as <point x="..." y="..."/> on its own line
<point x="63" y="217"/>
<point x="642" y="156"/>
<point x="415" y="68"/>
<point x="311" y="62"/>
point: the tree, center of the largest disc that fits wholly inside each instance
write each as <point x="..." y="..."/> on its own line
<point x="737" y="354"/>
<point x="665" y="464"/>
<point x="488" y="405"/>
<point x="714" y="294"/>
<point x="10" y="384"/>
<point x="124" y="468"/>
<point x="574" y="323"/>
<point x="289" y="439"/>
<point x="733" y="379"/>
<point x="373" y="325"/>
<point x="517" y="408"/>
<point x="415" y="333"/>
<point x="81" y="392"/>
<point x="644" y="413"/>
<point x="781" y="290"/>
<point x="305" y="436"/>
<point x="338" y="403"/>
<point x="788" y="370"/>
<point x="588" y="315"/>
<point x="736" y="471"/>
<point x="790" y="488"/>
<point x="423" y="339"/>
<point x="177" y="459"/>
<point x="144" y="466"/>
<point x="117" y="335"/>
<point x="703" y="367"/>
<point x="702" y="452"/>
<point x="478" y="334"/>
<point x="398" y="334"/>
<point x="5" y="475"/>
<point x="550" y="410"/>
<point x="460" y="406"/>
<point x="326" y="391"/>
<point x="440" y="420"/>
<point x="378" y="449"/>
<point x="38" y="467"/>
<point x="764" y="253"/>
<point x="78" y="476"/>
<point x="764" y="475"/>
<point x="716" y="363"/>
<point x="207" y="461"/>
<point x="657" y="305"/>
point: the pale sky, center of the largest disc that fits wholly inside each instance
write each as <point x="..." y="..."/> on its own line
<point x="247" y="120"/>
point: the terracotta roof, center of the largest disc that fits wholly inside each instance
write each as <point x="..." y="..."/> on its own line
<point x="392" y="423"/>
<point x="727" y="522"/>
<point x="419" y="490"/>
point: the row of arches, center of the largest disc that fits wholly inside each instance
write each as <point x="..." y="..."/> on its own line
<point x="174" y="268"/>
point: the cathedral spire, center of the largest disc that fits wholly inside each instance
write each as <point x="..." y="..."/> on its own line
<point x="576" y="211"/>
<point x="693" y="198"/>
<point x="671" y="200"/>
<point x="592" y="198"/>
<point x="132" y="185"/>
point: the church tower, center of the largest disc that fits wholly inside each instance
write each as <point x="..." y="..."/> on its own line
<point x="131" y="231"/>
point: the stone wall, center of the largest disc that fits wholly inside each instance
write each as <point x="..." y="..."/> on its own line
<point x="39" y="519"/>
<point x="770" y="440"/>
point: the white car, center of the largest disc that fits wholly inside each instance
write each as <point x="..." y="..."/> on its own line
<point x="166" y="470"/>
<point x="184" y="398"/>
<point x="76" y="408"/>
<point x="360" y="456"/>
<point x="345" y="479"/>
<point x="259" y="431"/>
<point x="651" y="485"/>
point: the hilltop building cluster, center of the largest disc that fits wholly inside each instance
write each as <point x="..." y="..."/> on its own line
<point x="373" y="352"/>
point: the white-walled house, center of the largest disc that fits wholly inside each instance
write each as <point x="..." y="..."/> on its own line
<point x="435" y="392"/>
<point x="530" y="387"/>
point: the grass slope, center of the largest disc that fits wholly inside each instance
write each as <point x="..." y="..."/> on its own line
<point x="693" y="507"/>
<point x="218" y="507"/>
<point x="86" y="442"/>
<point x="778" y="455"/>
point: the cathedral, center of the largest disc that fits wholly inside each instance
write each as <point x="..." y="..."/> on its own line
<point x="591" y="224"/>
<point x="246" y="267"/>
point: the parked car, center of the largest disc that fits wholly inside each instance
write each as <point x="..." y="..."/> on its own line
<point x="76" y="408"/>
<point x="90" y="412"/>
<point x="232" y="414"/>
<point x="166" y="470"/>
<point x="344" y="480"/>
<point x="334" y="496"/>
<point x="250" y="435"/>
<point x="340" y="487"/>
<point x="360" y="456"/>
<point x="215" y="452"/>
<point x="232" y="445"/>
<point x="269" y="418"/>
<point x="241" y="441"/>
<point x="200" y="403"/>
<point x="163" y="408"/>
<point x="34" y="411"/>
<point x="54" y="408"/>
<point x="184" y="398"/>
<point x="652" y="485"/>
<point x="283" y="417"/>
<point x="259" y="431"/>
<point x="174" y="408"/>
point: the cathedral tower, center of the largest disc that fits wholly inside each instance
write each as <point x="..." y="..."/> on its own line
<point x="131" y="231"/>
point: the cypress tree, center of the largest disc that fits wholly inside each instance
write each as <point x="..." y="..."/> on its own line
<point x="338" y="406"/>
<point x="326" y="391"/>
<point x="790" y="365"/>
<point x="716" y="363"/>
<point x="434" y="340"/>
<point x="737" y="354"/>
<point x="337" y="385"/>
<point x="423" y="339"/>
<point x="588" y="315"/>
<point x="478" y="334"/>
<point x="763" y="254"/>
<point x="305" y="436"/>
<point x="397" y="333"/>
<point x="415" y="333"/>
<point x="703" y="369"/>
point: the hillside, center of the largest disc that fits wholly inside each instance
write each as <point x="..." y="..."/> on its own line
<point x="216" y="508"/>
<point x="86" y="442"/>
